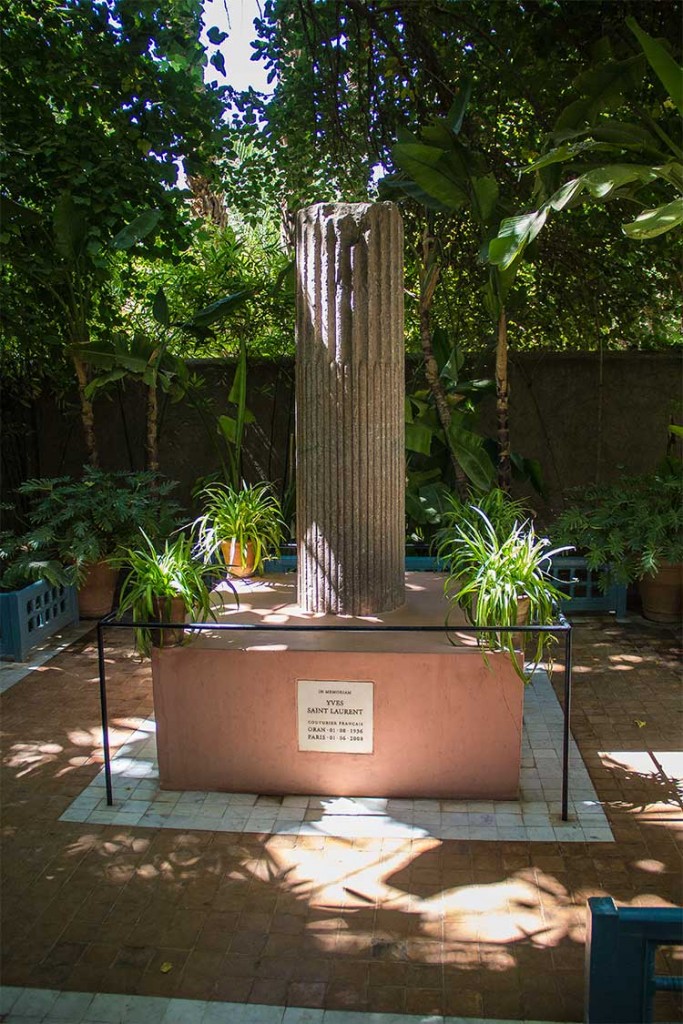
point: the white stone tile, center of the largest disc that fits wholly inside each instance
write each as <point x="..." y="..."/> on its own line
<point x="541" y="835"/>
<point x="8" y="997"/>
<point x="512" y="833"/>
<point x="71" y="1007"/>
<point x="250" y="1013"/>
<point x="302" y="1015"/>
<point x="185" y="1011"/>
<point x="145" y="1009"/>
<point x="538" y="807"/>
<point x="105" y="1008"/>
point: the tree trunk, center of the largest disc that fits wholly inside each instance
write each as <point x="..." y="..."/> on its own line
<point x="502" y="392"/>
<point x="428" y="282"/>
<point x="152" y="429"/>
<point x="87" y="415"/>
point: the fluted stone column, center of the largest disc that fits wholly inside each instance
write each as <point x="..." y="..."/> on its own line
<point x="350" y="386"/>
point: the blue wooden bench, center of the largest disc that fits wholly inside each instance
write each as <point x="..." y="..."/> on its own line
<point x="620" y="960"/>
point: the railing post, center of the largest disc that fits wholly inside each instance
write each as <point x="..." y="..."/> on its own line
<point x="619" y="968"/>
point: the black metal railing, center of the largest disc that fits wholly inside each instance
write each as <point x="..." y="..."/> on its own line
<point x="561" y="629"/>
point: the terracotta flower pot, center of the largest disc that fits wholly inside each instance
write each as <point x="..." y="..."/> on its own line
<point x="661" y="594"/>
<point x="236" y="564"/>
<point x="96" y="593"/>
<point x="168" y="609"/>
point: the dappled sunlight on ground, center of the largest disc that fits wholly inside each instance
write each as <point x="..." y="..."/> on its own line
<point x="403" y="925"/>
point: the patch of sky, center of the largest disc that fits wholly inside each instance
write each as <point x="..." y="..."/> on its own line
<point x="235" y="19"/>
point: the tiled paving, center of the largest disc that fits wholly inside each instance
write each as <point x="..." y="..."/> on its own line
<point x="13" y="672"/>
<point x="264" y="925"/>
<point x="535" y="817"/>
<point x="48" y="1006"/>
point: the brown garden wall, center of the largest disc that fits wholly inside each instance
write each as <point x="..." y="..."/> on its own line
<point x="581" y="417"/>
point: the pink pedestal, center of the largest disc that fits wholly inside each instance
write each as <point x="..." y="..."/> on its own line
<point x="445" y="723"/>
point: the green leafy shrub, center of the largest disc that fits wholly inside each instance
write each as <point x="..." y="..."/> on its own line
<point x="627" y="529"/>
<point x="74" y="523"/>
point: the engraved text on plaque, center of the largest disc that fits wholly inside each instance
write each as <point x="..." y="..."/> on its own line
<point x="335" y="716"/>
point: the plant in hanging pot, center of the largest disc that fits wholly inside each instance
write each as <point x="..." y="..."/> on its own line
<point x="82" y="524"/>
<point x="501" y="580"/>
<point x="246" y="525"/>
<point x="165" y="585"/>
<point x="632" y="530"/>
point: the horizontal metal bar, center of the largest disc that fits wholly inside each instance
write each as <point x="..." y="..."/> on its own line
<point x="270" y="627"/>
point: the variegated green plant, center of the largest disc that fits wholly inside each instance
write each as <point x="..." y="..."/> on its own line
<point x="155" y="575"/>
<point x="250" y="515"/>
<point x="489" y="573"/>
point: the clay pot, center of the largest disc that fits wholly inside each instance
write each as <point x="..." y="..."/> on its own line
<point x="661" y="594"/>
<point x="235" y="563"/>
<point x="96" y="593"/>
<point x="168" y="609"/>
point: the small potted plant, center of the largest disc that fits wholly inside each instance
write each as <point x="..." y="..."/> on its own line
<point x="501" y="580"/>
<point x="165" y="585"/>
<point x="246" y="525"/>
<point x="632" y="530"/>
<point x="82" y="524"/>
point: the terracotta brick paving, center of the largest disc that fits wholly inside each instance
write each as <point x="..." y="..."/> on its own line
<point x="464" y="928"/>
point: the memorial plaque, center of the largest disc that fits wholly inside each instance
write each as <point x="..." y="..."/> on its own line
<point x="335" y="716"/>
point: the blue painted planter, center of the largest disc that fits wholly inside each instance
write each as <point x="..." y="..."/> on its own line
<point x="581" y="584"/>
<point x="577" y="581"/>
<point x="33" y="614"/>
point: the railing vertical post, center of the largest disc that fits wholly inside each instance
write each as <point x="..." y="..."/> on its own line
<point x="103" y="712"/>
<point x="567" y="709"/>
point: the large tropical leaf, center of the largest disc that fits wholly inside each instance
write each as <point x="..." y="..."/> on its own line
<point x="669" y="73"/>
<point x="11" y="213"/>
<point x="393" y="183"/>
<point x="458" y="109"/>
<point x="418" y="438"/>
<point x="602" y="88"/>
<point x="471" y="454"/>
<point x="69" y="227"/>
<point x="426" y="167"/>
<point x="138" y="229"/>
<point x="486" y="192"/>
<point x="160" y="309"/>
<point x="651" y="223"/>
<point x="214" y="312"/>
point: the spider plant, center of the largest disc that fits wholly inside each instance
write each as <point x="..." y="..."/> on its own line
<point x="502" y="580"/>
<point x="250" y="518"/>
<point x="502" y="511"/>
<point x="164" y="585"/>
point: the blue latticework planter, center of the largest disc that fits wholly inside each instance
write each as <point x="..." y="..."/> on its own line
<point x="577" y="581"/>
<point x="33" y="614"/>
<point x="580" y="584"/>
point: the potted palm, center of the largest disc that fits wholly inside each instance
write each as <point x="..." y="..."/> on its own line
<point x="165" y="585"/>
<point x="82" y="524"/>
<point x="632" y="530"/>
<point x="246" y="525"/>
<point x="501" y="579"/>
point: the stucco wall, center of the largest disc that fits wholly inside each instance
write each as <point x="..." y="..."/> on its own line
<point x="580" y="416"/>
